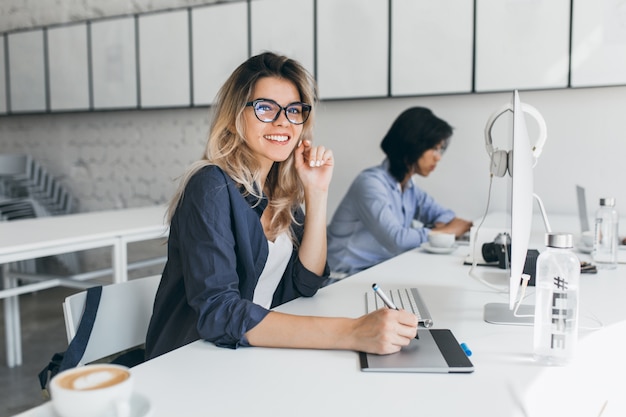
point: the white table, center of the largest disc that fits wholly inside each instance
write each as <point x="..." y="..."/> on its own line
<point x="200" y="379"/>
<point x="45" y="236"/>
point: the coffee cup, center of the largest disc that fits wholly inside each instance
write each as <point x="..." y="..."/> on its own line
<point x="586" y="238"/>
<point x="92" y="391"/>
<point x="441" y="239"/>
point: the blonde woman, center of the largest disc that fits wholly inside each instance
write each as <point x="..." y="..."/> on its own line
<point x="239" y="241"/>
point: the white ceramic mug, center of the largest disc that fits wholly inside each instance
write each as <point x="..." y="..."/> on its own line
<point x="587" y="238"/>
<point x="441" y="239"/>
<point x="92" y="391"/>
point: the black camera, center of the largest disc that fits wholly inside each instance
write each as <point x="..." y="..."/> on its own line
<point x="498" y="251"/>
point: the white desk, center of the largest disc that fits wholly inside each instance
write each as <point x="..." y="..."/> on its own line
<point x="201" y="379"/>
<point x="45" y="236"/>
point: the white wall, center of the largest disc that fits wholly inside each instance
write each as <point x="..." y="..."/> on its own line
<point x="125" y="159"/>
<point x="586" y="145"/>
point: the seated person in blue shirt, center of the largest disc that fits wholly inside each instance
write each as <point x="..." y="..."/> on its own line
<point x="239" y="242"/>
<point x="374" y="221"/>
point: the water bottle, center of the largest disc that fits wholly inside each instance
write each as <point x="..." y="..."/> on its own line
<point x="556" y="302"/>
<point x="605" y="240"/>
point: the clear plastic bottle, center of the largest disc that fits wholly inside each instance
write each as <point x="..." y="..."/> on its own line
<point x="605" y="241"/>
<point x="556" y="301"/>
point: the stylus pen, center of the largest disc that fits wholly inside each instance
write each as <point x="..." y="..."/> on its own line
<point x="384" y="297"/>
<point x="386" y="300"/>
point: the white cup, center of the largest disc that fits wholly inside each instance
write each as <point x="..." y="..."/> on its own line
<point x="92" y="391"/>
<point x="441" y="239"/>
<point x="586" y="238"/>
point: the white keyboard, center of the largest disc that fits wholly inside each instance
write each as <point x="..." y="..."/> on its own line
<point x="407" y="299"/>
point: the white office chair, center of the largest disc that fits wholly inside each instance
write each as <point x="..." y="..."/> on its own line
<point x="14" y="168"/>
<point x="122" y="319"/>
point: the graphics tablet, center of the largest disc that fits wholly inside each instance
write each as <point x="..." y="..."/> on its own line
<point x="436" y="351"/>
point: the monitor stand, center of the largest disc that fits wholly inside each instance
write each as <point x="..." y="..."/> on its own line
<point x="499" y="313"/>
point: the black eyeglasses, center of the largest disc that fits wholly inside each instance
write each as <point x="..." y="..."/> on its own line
<point x="267" y="111"/>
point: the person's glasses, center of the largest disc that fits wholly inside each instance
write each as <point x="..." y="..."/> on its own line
<point x="439" y="150"/>
<point x="267" y="111"/>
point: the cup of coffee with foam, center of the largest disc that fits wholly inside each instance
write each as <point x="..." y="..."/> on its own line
<point x="440" y="239"/>
<point x="92" y="391"/>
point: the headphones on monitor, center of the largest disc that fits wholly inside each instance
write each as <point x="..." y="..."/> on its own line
<point x="501" y="161"/>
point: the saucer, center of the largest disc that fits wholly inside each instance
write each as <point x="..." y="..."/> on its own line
<point x="139" y="407"/>
<point x="584" y="248"/>
<point x="431" y="249"/>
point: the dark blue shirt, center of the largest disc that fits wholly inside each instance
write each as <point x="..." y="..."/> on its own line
<point x="216" y="252"/>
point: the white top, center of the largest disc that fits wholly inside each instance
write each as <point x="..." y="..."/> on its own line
<point x="277" y="259"/>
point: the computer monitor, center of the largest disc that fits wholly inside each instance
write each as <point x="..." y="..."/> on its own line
<point x="522" y="183"/>
<point x="520" y="163"/>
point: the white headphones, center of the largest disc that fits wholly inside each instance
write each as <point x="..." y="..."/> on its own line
<point x="501" y="160"/>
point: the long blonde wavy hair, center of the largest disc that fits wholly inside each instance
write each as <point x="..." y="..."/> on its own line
<point x="227" y="148"/>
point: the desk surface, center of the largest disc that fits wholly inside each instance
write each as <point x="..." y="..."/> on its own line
<point x="54" y="235"/>
<point x="201" y="379"/>
<point x="19" y="238"/>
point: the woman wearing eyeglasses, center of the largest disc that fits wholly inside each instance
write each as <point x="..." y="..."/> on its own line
<point x="239" y="241"/>
<point x="375" y="220"/>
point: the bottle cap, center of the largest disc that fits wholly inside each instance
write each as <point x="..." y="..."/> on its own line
<point x="607" y="201"/>
<point x="559" y="240"/>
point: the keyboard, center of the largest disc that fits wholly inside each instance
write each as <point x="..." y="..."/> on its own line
<point x="407" y="299"/>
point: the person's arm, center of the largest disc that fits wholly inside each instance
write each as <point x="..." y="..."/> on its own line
<point x="315" y="169"/>
<point x="457" y="226"/>
<point x="443" y="219"/>
<point x="382" y="332"/>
